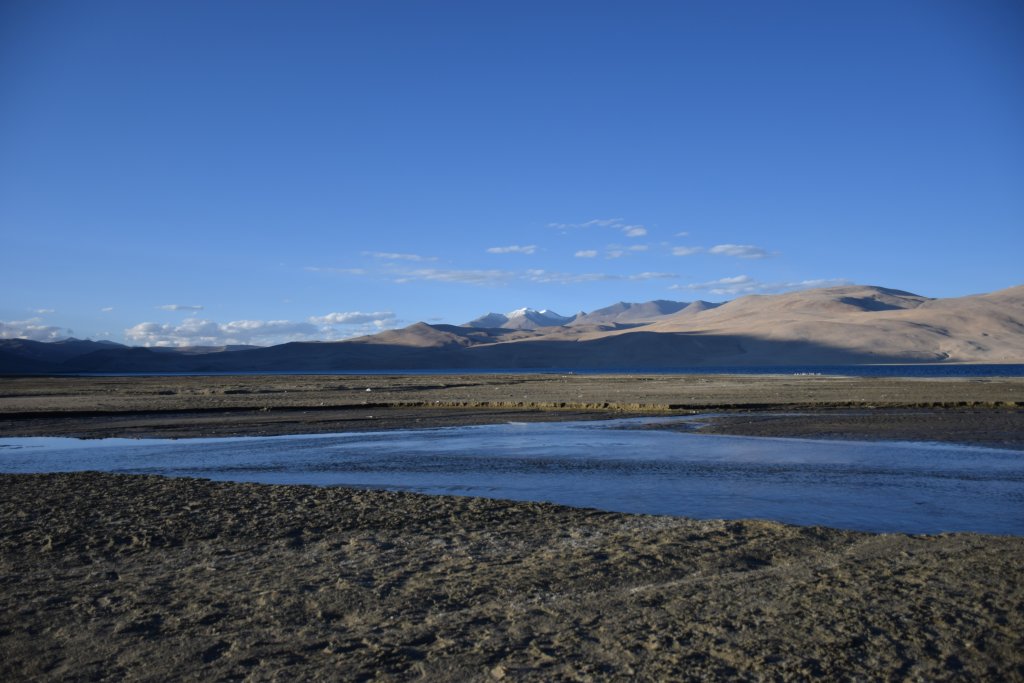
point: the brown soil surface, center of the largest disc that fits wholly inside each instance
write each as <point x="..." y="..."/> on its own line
<point x="143" y="578"/>
<point x="264" y="405"/>
<point x="185" y="424"/>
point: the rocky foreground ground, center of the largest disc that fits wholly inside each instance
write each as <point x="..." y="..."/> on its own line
<point x="143" y="578"/>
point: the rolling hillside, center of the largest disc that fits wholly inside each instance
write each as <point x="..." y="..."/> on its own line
<point x="834" y="326"/>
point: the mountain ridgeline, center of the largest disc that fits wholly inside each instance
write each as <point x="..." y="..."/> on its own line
<point x="834" y="326"/>
<point x="622" y="312"/>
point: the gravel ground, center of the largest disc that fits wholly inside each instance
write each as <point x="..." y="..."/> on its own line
<point x="114" y="577"/>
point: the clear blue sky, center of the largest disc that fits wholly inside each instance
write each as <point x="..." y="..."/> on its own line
<point x="262" y="171"/>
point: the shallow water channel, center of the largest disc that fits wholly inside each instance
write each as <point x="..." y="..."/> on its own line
<point x="874" y="486"/>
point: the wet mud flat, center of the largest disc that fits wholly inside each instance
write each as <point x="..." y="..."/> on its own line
<point x="146" y="578"/>
<point x="991" y="427"/>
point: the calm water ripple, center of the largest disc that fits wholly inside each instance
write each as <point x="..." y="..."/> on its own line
<point x="876" y="486"/>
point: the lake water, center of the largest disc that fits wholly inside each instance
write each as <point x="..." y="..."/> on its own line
<point x="612" y="465"/>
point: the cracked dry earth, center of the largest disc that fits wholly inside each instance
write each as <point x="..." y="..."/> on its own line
<point x="144" y="578"/>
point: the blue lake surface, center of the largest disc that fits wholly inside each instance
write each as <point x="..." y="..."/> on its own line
<point x="873" y="486"/>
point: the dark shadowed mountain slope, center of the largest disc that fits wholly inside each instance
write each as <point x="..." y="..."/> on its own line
<point x="55" y="352"/>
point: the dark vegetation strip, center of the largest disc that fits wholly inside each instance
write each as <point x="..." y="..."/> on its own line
<point x="539" y="405"/>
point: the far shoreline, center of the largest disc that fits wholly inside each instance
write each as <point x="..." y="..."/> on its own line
<point x="986" y="411"/>
<point x="937" y="369"/>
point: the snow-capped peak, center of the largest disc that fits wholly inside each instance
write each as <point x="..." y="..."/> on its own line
<point x="522" y="318"/>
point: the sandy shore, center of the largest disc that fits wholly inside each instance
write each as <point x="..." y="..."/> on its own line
<point x="142" y="578"/>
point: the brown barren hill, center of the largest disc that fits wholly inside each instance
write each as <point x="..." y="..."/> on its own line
<point x="837" y="325"/>
<point x="861" y="323"/>
<point x="832" y="326"/>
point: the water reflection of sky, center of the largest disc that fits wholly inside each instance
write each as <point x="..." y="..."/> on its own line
<point x="877" y="486"/>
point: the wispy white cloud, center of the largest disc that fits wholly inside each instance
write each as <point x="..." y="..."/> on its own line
<point x="472" y="277"/>
<point x="686" y="251"/>
<point x="337" y="271"/>
<point x="554" y="277"/>
<point x="744" y="284"/>
<point x="198" y="332"/>
<point x="179" y="307"/>
<point x="44" y="311"/>
<point x="393" y="256"/>
<point x="352" y="318"/>
<point x="599" y="223"/>
<point x="504" y="277"/>
<point x="819" y="283"/>
<point x="682" y="234"/>
<point x="652" y="276"/>
<point x="629" y="230"/>
<point x="33" y="329"/>
<point x="721" y="285"/>
<point x="513" y="249"/>
<point x="614" y="251"/>
<point x="739" y="250"/>
<point x="106" y="309"/>
<point x="494" y="277"/>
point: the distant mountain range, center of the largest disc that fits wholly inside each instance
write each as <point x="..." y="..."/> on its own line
<point x="522" y="319"/>
<point x="835" y="326"/>
<point x="622" y="312"/>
